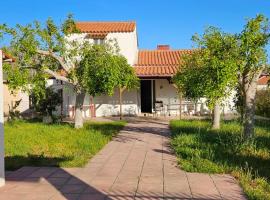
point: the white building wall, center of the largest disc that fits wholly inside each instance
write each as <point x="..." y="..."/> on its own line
<point x="167" y="93"/>
<point x="104" y="105"/>
<point x="109" y="105"/>
<point x="127" y="42"/>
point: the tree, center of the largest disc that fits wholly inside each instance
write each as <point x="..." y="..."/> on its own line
<point x="252" y="61"/>
<point x="210" y="70"/>
<point x="98" y="71"/>
<point x="127" y="78"/>
<point x="44" y="51"/>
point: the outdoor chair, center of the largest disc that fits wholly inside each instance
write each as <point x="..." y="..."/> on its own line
<point x="159" y="108"/>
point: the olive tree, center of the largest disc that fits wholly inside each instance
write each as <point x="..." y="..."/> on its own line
<point x="210" y="70"/>
<point x="252" y="61"/>
<point x="127" y="78"/>
<point x="42" y="51"/>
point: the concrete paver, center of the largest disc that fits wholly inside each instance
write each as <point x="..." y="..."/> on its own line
<point x="137" y="164"/>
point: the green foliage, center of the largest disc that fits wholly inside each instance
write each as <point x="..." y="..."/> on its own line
<point x="98" y="72"/>
<point x="48" y="104"/>
<point x="252" y="42"/>
<point x="263" y="103"/>
<point x="127" y="77"/>
<point x="69" y="26"/>
<point x="210" y="70"/>
<point x="252" y="55"/>
<point x="38" y="144"/>
<point x="201" y="149"/>
<point x="16" y="78"/>
<point x="26" y="41"/>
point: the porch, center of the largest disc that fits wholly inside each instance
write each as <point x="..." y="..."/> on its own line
<point x="159" y="97"/>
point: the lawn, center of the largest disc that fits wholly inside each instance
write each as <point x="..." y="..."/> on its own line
<point x="201" y="149"/>
<point x="38" y="144"/>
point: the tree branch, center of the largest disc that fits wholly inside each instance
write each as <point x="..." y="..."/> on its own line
<point x="256" y="77"/>
<point x="56" y="57"/>
<point x="56" y="76"/>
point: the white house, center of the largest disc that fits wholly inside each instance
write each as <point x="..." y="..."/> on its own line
<point x="155" y="69"/>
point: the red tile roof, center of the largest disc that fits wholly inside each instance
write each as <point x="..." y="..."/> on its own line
<point x="159" y="63"/>
<point x="105" y="27"/>
<point x="7" y="57"/>
<point x="263" y="80"/>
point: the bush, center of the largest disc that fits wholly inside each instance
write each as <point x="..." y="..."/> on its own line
<point x="47" y="105"/>
<point x="263" y="103"/>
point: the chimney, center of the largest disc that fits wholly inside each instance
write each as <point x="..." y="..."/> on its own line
<point x="163" y="47"/>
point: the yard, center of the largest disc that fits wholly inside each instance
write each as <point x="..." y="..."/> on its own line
<point x="201" y="149"/>
<point x="37" y="144"/>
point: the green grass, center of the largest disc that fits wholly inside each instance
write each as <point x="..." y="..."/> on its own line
<point x="201" y="149"/>
<point x="38" y="144"/>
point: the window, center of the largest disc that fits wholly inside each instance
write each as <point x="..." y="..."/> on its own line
<point x="98" y="41"/>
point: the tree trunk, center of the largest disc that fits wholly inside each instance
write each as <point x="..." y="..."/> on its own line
<point x="180" y="106"/>
<point x="216" y="117"/>
<point x="79" y="109"/>
<point x="249" y="111"/>
<point x="121" y="90"/>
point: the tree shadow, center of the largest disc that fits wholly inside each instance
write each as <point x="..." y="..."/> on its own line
<point x="16" y="162"/>
<point x="36" y="182"/>
<point x="106" y="128"/>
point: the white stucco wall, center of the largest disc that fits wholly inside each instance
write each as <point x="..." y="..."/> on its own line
<point x="167" y="93"/>
<point x="104" y="105"/>
<point x="127" y="42"/>
<point x="262" y="87"/>
<point x="11" y="98"/>
<point x="109" y="105"/>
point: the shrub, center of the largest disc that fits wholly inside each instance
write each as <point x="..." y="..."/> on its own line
<point x="47" y="105"/>
<point x="263" y="103"/>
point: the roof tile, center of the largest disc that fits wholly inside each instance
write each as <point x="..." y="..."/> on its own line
<point x="263" y="80"/>
<point x="105" y="27"/>
<point x="162" y="63"/>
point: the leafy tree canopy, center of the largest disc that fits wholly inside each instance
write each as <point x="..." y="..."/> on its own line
<point x="127" y="78"/>
<point x="210" y="70"/>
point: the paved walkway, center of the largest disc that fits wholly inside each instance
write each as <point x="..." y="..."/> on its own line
<point x="137" y="164"/>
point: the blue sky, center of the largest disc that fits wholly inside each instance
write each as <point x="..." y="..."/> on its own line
<point x="158" y="21"/>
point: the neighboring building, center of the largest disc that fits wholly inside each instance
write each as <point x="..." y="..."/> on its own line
<point x="263" y="82"/>
<point x="11" y="98"/>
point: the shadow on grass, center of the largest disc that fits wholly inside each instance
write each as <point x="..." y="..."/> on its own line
<point x="106" y="128"/>
<point x="195" y="141"/>
<point x="16" y="162"/>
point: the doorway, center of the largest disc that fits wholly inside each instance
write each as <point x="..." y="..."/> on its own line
<point x="146" y="96"/>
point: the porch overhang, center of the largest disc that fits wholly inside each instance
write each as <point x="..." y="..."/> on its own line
<point x="155" y="72"/>
<point x="154" y="77"/>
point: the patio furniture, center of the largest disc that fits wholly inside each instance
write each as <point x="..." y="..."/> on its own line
<point x="159" y="108"/>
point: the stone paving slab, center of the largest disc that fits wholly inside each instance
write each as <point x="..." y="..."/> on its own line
<point x="137" y="164"/>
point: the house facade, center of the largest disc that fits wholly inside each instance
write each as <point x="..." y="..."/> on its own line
<point x="155" y="68"/>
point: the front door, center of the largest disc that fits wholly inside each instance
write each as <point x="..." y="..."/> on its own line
<point x="146" y="96"/>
